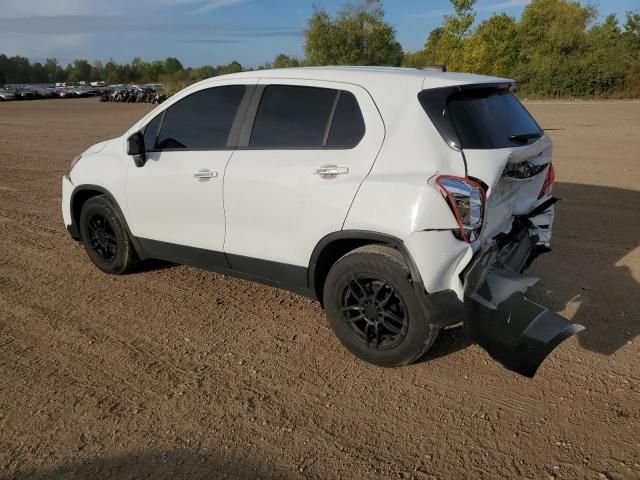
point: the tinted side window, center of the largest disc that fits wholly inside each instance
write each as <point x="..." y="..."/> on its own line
<point x="348" y="127"/>
<point x="151" y="133"/>
<point x="291" y="116"/>
<point x="201" y="121"/>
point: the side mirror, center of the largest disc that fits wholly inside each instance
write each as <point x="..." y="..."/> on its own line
<point x="135" y="148"/>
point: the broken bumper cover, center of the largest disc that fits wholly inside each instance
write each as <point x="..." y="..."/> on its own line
<point x="515" y="331"/>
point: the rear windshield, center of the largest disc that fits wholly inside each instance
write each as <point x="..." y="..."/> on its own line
<point x="480" y="118"/>
<point x="491" y="119"/>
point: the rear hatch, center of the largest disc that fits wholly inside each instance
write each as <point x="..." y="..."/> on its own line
<point x="505" y="149"/>
<point x="507" y="156"/>
<point x="501" y="145"/>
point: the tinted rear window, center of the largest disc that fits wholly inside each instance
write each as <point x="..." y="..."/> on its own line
<point x="291" y="116"/>
<point x="348" y="127"/>
<point x="489" y="118"/>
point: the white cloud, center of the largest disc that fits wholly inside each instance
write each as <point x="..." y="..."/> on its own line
<point x="13" y="8"/>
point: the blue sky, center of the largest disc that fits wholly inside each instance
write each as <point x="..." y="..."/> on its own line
<point x="202" y="32"/>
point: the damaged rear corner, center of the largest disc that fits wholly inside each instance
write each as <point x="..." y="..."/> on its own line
<point x="515" y="331"/>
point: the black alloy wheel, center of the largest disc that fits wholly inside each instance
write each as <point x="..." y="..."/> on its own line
<point x="374" y="311"/>
<point x="374" y="307"/>
<point x="105" y="236"/>
<point x="102" y="238"/>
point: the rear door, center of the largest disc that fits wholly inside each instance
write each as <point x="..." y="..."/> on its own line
<point x="297" y="168"/>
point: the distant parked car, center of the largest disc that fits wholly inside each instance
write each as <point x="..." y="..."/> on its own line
<point x="63" y="93"/>
<point x="6" y="96"/>
<point x="26" y="94"/>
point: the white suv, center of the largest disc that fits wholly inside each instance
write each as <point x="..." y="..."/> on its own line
<point x="403" y="200"/>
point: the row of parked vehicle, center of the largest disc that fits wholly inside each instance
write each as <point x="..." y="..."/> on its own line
<point x="117" y="93"/>
<point x="39" y="93"/>
<point x="133" y="94"/>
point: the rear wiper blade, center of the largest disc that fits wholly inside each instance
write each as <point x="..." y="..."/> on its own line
<point x="525" y="137"/>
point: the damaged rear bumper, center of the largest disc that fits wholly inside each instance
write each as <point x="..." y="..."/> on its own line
<point x="515" y="331"/>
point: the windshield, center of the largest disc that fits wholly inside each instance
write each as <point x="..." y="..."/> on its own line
<point x="489" y="118"/>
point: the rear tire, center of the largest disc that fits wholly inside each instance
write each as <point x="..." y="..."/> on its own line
<point x="105" y="237"/>
<point x="374" y="310"/>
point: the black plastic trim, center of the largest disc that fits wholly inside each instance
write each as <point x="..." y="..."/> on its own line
<point x="250" y="117"/>
<point x="373" y="237"/>
<point x="73" y="231"/>
<point x="275" y="274"/>
<point x="102" y="191"/>
<point x="517" y="333"/>
<point x="197" y="257"/>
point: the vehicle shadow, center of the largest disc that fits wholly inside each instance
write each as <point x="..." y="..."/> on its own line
<point x="592" y="274"/>
<point x="156" y="466"/>
<point x="152" y="265"/>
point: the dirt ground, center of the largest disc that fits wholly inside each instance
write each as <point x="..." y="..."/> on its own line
<point x="175" y="372"/>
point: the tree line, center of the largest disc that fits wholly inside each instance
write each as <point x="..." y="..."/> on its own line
<point x="556" y="49"/>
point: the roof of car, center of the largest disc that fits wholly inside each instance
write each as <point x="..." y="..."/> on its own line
<point x="366" y="76"/>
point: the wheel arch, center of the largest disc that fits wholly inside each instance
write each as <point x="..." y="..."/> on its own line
<point x="79" y="197"/>
<point x="334" y="246"/>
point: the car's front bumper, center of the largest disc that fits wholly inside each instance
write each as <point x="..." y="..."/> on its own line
<point x="515" y="331"/>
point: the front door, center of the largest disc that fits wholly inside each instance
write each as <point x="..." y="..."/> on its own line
<point x="176" y="197"/>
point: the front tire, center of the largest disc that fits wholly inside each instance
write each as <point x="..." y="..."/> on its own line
<point x="374" y="310"/>
<point x="105" y="237"/>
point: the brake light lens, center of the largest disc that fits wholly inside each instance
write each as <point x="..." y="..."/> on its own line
<point x="547" y="186"/>
<point x="466" y="200"/>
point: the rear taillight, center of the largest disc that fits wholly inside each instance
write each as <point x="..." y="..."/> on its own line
<point x="466" y="199"/>
<point x="547" y="186"/>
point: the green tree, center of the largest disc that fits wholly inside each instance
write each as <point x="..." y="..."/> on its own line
<point x="80" y="71"/>
<point x="493" y="48"/>
<point x="172" y="65"/>
<point x="233" y="67"/>
<point x="447" y="44"/>
<point x="285" y="61"/>
<point x="358" y="35"/>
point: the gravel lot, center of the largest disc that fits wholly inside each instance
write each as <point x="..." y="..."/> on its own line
<point x="175" y="372"/>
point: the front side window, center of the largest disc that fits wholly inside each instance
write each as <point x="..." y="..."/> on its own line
<point x="292" y="116"/>
<point x="151" y="133"/>
<point x="201" y="121"/>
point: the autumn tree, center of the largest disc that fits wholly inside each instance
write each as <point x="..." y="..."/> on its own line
<point x="358" y="35"/>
